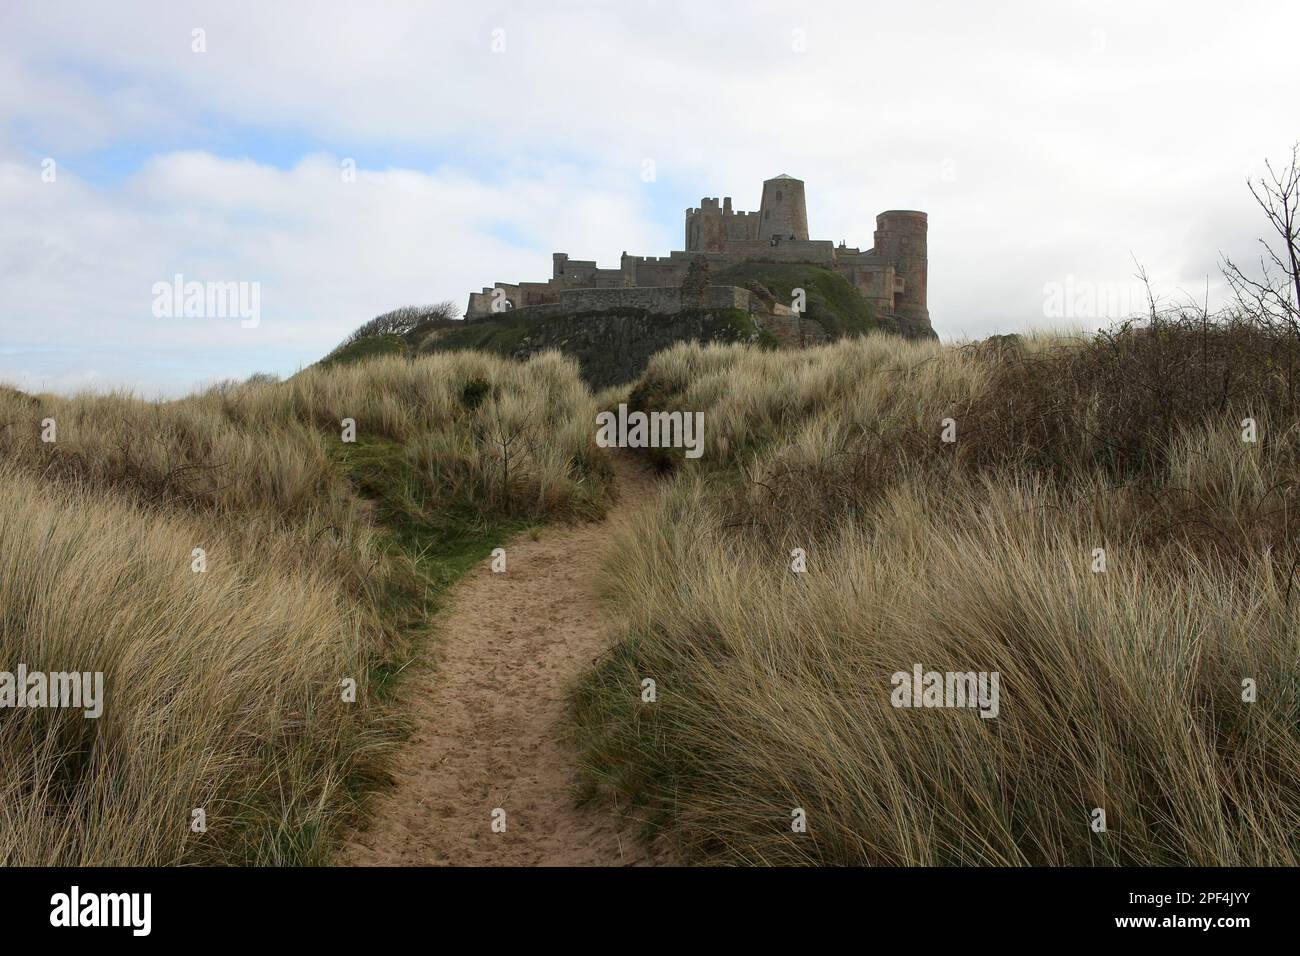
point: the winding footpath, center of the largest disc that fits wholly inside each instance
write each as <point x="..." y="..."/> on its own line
<point x="488" y="715"/>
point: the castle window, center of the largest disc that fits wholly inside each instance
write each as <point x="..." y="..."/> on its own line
<point x="778" y="195"/>
<point x="767" y="214"/>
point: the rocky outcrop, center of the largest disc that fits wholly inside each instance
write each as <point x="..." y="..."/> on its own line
<point x="613" y="348"/>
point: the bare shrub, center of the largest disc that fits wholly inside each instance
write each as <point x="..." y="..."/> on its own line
<point x="408" y="321"/>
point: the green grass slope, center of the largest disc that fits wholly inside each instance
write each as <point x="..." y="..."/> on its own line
<point x="832" y="301"/>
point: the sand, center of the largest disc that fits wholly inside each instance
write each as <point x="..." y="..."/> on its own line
<point x="488" y="715"/>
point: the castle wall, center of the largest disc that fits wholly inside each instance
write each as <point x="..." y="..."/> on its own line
<point x="705" y="231"/>
<point x="534" y="293"/>
<point x="742" y="226"/>
<point x="667" y="270"/>
<point x="792" y="331"/>
<point x="875" y="281"/>
<point x="818" y="251"/>
<point x="661" y="301"/>
<point x="710" y="228"/>
<point x="572" y="270"/>
<point x="660" y="272"/>
<point x="480" y="303"/>
<point x="664" y="300"/>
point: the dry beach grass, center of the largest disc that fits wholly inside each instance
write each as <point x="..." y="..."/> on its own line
<point x="1120" y="690"/>
<point x="323" y="560"/>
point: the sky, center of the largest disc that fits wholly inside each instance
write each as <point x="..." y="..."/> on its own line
<point x="338" y="160"/>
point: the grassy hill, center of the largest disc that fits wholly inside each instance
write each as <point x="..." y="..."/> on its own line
<point x="612" y="346"/>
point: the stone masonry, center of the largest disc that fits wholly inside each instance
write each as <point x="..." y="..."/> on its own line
<point x="891" y="276"/>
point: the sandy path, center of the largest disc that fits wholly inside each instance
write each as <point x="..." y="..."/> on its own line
<point x="488" y="716"/>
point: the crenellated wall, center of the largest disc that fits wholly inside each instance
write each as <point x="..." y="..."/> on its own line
<point x="710" y="228"/>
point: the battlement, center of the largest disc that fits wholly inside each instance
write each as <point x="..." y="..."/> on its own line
<point x="711" y="204"/>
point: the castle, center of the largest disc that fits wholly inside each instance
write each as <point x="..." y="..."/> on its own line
<point x="891" y="276"/>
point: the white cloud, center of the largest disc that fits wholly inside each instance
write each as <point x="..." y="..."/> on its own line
<point x="81" y="263"/>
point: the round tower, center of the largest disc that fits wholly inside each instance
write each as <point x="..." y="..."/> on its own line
<point x="901" y="242"/>
<point x="783" y="213"/>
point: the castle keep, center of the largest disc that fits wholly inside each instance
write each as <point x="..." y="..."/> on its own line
<point x="891" y="276"/>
